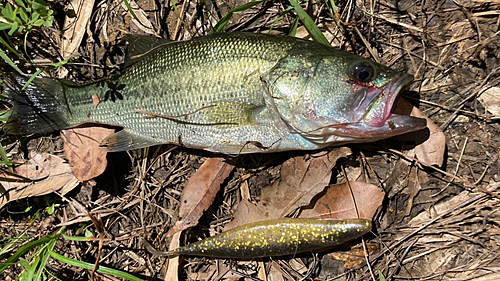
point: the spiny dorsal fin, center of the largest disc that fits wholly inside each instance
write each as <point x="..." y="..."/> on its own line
<point x="137" y="46"/>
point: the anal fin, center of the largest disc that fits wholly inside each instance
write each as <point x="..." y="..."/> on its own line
<point x="125" y="140"/>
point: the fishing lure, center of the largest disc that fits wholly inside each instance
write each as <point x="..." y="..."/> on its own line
<point x="277" y="237"/>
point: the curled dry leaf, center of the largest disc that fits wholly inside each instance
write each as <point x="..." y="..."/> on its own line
<point x="300" y="181"/>
<point x="81" y="148"/>
<point x="490" y="99"/>
<point x="200" y="191"/>
<point x="44" y="173"/>
<point x="430" y="147"/>
<point x="142" y="20"/>
<point x="75" y="26"/>
<point x="337" y="202"/>
<point x="354" y="256"/>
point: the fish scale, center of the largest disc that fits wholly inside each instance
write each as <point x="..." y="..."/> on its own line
<point x="183" y="92"/>
<point x="230" y="93"/>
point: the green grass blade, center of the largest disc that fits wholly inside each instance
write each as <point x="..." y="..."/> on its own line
<point x="16" y="239"/>
<point x="31" y="272"/>
<point x="44" y="258"/>
<point x="9" y="47"/>
<point x="309" y="23"/>
<point x="5" y="161"/>
<point x="285" y="12"/>
<point x="50" y="67"/>
<point x="9" y="61"/>
<point x="381" y="276"/>
<point x="335" y="14"/>
<point x="130" y="10"/>
<point x="14" y="258"/>
<point x="31" y="78"/>
<point x="77" y="238"/>
<point x="293" y="27"/>
<point x="89" y="266"/>
<point x="225" y="19"/>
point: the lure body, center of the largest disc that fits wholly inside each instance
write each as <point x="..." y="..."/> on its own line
<point x="278" y="237"/>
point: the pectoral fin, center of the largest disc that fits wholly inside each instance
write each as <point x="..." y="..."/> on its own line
<point x="124" y="140"/>
<point x="232" y="114"/>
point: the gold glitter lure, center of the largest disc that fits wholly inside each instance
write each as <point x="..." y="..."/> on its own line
<point x="278" y="237"/>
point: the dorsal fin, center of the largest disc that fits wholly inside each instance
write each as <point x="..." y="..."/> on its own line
<point x="137" y="46"/>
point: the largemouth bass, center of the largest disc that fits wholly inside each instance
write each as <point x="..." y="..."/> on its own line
<point x="229" y="93"/>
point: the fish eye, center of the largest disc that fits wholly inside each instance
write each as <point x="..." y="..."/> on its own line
<point x="363" y="71"/>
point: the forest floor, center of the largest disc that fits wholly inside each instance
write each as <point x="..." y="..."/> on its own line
<point x="437" y="222"/>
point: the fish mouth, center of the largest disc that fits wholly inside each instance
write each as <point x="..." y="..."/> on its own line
<point x="378" y="121"/>
<point x="380" y="109"/>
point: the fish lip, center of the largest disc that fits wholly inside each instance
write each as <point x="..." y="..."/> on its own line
<point x="386" y="98"/>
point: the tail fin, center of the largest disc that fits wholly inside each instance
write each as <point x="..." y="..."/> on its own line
<point x="39" y="108"/>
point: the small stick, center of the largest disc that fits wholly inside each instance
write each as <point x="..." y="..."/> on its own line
<point x="407" y="157"/>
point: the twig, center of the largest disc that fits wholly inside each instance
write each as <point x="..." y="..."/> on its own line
<point x="481" y="87"/>
<point x="456" y="170"/>
<point x="367" y="45"/>
<point x="400" y="262"/>
<point x="418" y="29"/>
<point x="407" y="157"/>
<point x="492" y="188"/>
<point x="178" y="26"/>
<point x="486" y="117"/>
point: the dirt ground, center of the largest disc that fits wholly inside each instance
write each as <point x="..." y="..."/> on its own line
<point x="436" y="223"/>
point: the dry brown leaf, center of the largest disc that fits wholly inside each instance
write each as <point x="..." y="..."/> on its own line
<point x="354" y="256"/>
<point x="300" y="180"/>
<point x="246" y="212"/>
<point x="95" y="100"/>
<point x="81" y="148"/>
<point x="200" y="191"/>
<point x="431" y="152"/>
<point x="490" y="99"/>
<point x="144" y="24"/>
<point x="48" y="173"/>
<point x="430" y="148"/>
<point x="275" y="273"/>
<point x="75" y="25"/>
<point x="337" y="202"/>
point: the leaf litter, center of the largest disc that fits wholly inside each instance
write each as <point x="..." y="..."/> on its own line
<point x="200" y="191"/>
<point x="430" y="148"/>
<point x="300" y="180"/>
<point x="451" y="61"/>
<point x="42" y="174"/>
<point x="81" y="148"/>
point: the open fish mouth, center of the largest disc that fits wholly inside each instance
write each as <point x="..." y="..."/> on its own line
<point x="378" y="121"/>
<point x="379" y="110"/>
